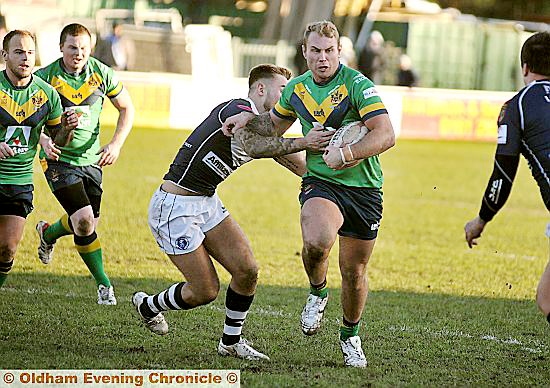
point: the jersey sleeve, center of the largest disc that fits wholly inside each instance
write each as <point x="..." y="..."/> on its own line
<point x="283" y="109"/>
<point x="235" y="107"/>
<point x="56" y="109"/>
<point x="509" y="130"/>
<point x="113" y="86"/>
<point x="365" y="98"/>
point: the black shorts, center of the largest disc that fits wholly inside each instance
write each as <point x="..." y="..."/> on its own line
<point x="16" y="200"/>
<point x="61" y="175"/>
<point x="361" y="207"/>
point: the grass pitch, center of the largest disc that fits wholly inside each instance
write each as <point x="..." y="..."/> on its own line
<point x="438" y="314"/>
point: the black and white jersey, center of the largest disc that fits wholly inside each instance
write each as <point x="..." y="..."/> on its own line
<point x="208" y="157"/>
<point x="523" y="129"/>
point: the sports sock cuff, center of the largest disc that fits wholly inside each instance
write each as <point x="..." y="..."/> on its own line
<point x="237" y="302"/>
<point x="83" y="241"/>
<point x="320" y="290"/>
<point x="178" y="298"/>
<point x="66" y="222"/>
<point x="347" y="323"/>
<point x="318" y="286"/>
<point x="5" y="267"/>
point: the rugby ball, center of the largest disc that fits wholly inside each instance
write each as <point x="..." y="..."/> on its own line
<point x="350" y="133"/>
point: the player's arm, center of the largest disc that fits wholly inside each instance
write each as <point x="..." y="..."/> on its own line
<point x="126" y="111"/>
<point x="295" y="163"/>
<point x="261" y="137"/>
<point x="495" y="196"/>
<point x="61" y="133"/>
<point x="380" y="138"/>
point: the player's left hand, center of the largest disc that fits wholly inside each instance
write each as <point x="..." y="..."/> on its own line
<point x="49" y="147"/>
<point x="473" y="230"/>
<point x="109" y="154"/>
<point x="333" y="157"/>
<point x="69" y="119"/>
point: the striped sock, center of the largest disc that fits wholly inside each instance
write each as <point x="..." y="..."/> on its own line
<point x="169" y="299"/>
<point x="59" y="229"/>
<point x="320" y="290"/>
<point x="89" y="248"/>
<point x="348" y="329"/>
<point x="4" y="269"/>
<point x="236" y="309"/>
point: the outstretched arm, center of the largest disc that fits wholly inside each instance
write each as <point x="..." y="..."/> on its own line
<point x="261" y="137"/>
<point x="295" y="163"/>
<point x="497" y="192"/>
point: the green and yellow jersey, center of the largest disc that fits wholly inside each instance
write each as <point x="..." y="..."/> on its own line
<point x="83" y="93"/>
<point x="348" y="96"/>
<point x="24" y="111"/>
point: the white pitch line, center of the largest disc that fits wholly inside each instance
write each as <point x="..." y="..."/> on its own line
<point x="533" y="347"/>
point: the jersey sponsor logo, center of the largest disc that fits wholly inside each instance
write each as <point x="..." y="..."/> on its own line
<point x="244" y="107"/>
<point x="188" y="145"/>
<point x="502" y="134"/>
<point x="17" y="137"/>
<point x="217" y="165"/>
<point x="375" y="226"/>
<point x="547" y="92"/>
<point x="359" y="78"/>
<point x="319" y="113"/>
<point x="370" y="92"/>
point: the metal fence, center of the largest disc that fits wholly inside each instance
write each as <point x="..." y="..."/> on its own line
<point x="248" y="55"/>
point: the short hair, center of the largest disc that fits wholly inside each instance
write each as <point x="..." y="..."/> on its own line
<point x="266" y="71"/>
<point x="323" y="28"/>
<point x="535" y="53"/>
<point x="11" y="34"/>
<point x="73" y="29"/>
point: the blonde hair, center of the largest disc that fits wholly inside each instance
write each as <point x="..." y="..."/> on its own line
<point x="323" y="28"/>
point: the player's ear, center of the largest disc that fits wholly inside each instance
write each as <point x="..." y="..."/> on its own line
<point x="261" y="88"/>
<point x="525" y="69"/>
<point x="304" y="50"/>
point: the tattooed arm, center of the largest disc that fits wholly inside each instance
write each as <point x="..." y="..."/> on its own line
<point x="295" y="163"/>
<point x="261" y="137"/>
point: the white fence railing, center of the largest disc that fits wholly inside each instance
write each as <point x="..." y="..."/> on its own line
<point x="248" y="55"/>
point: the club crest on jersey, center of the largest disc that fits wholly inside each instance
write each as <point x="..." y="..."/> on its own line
<point x="182" y="242"/>
<point x="37" y="101"/>
<point x="336" y="97"/>
<point x="217" y="165"/>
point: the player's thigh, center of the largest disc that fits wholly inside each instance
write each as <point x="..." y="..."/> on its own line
<point x="11" y="232"/>
<point x="197" y="268"/>
<point x="228" y="245"/>
<point x="320" y="220"/>
<point x="354" y="254"/>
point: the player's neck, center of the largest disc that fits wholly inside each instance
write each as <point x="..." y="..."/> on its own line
<point x="17" y="81"/>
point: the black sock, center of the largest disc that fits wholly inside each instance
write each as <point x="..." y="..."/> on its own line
<point x="236" y="309"/>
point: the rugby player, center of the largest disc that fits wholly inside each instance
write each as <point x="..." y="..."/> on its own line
<point x="76" y="177"/>
<point x="27" y="106"/>
<point x="341" y="191"/>
<point x="191" y="225"/>
<point x="523" y="129"/>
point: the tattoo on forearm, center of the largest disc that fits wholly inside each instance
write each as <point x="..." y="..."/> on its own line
<point x="287" y="163"/>
<point x="262" y="125"/>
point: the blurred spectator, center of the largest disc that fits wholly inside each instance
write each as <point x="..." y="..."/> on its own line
<point x="116" y="51"/>
<point x="406" y="76"/>
<point x="372" y="59"/>
<point x="347" y="55"/>
<point x="3" y="32"/>
<point x="299" y="60"/>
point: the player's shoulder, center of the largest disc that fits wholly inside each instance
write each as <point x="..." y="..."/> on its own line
<point x="96" y="66"/>
<point x="355" y="78"/>
<point x="48" y="71"/>
<point x="43" y="84"/>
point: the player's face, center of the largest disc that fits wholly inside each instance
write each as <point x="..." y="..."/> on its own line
<point x="322" y="55"/>
<point x="76" y="51"/>
<point x="274" y="88"/>
<point x="20" y="57"/>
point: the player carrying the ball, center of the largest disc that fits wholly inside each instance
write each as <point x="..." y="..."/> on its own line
<point x="341" y="191"/>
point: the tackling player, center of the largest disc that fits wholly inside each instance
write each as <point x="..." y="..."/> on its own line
<point x="339" y="196"/>
<point x="523" y="129"/>
<point x="191" y="225"/>
<point x="76" y="178"/>
<point x="27" y="105"/>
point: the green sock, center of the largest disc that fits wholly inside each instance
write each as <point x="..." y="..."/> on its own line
<point x="321" y="290"/>
<point x="4" y="269"/>
<point x="348" y="331"/>
<point x="89" y="249"/>
<point x="59" y="229"/>
<point x="3" y="277"/>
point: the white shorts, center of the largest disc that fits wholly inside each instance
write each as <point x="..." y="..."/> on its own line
<point x="548" y="230"/>
<point x="179" y="222"/>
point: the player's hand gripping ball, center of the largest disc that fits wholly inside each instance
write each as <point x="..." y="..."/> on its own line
<point x="348" y="134"/>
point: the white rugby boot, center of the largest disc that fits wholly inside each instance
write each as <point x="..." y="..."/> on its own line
<point x="157" y="324"/>
<point x="313" y="313"/>
<point x="241" y="349"/>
